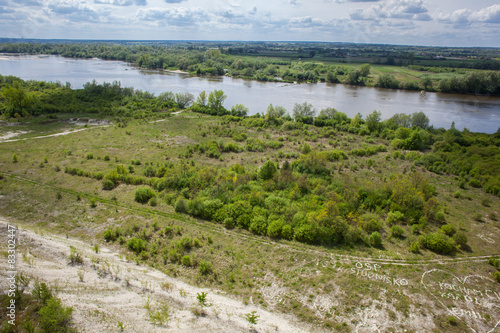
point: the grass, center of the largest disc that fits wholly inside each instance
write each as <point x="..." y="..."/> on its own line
<point x="289" y="276"/>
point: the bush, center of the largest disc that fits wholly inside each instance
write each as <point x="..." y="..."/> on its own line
<point x="496" y="276"/>
<point x="136" y="244"/>
<point x="448" y="230"/>
<point x="186" y="260"/>
<point x="108" y="184"/>
<point x="205" y="268"/>
<point x="74" y="256"/>
<point x="415" y="247"/>
<point x="180" y="206"/>
<point x="55" y="318"/>
<point x="393" y="217"/>
<point x="438" y="242"/>
<point x="397" y="231"/>
<point x="460" y="239"/>
<point x="143" y="194"/>
<point x="375" y="239"/>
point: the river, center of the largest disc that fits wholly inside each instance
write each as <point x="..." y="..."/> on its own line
<point x="476" y="113"/>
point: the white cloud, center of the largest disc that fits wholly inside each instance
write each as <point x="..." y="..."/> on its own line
<point x="465" y="16"/>
<point x="121" y="2"/>
<point x="181" y="17"/>
<point x="393" y="9"/>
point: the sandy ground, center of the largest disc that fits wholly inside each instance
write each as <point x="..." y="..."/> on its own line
<point x="10" y="135"/>
<point x="115" y="291"/>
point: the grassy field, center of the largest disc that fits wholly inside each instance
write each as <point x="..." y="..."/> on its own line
<point x="340" y="287"/>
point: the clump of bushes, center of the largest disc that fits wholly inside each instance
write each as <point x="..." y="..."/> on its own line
<point x="144" y="194"/>
<point x="438" y="242"/>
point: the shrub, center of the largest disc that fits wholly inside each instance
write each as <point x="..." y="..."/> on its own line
<point x="74" y="256"/>
<point x="415" y="247"/>
<point x="393" y="217"/>
<point x="14" y="158"/>
<point x="186" y="260"/>
<point x="397" y="231"/>
<point x="205" y="268"/>
<point x="143" y="194"/>
<point x="457" y="195"/>
<point x="89" y="156"/>
<point x="136" y="244"/>
<point x="55" y="318"/>
<point x="41" y="292"/>
<point x="475" y="183"/>
<point x="180" y="206"/>
<point x="108" y="184"/>
<point x="496" y="276"/>
<point x="460" y="239"/>
<point x="438" y="242"/>
<point x="375" y="239"/>
<point x="448" y="229"/>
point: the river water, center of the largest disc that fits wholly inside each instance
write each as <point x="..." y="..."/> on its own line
<point x="476" y="113"/>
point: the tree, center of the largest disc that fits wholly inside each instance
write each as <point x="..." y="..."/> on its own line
<point x="304" y="110"/>
<point x="365" y="70"/>
<point x="274" y="112"/>
<point x="202" y="99"/>
<point x="216" y="99"/>
<point x="419" y="119"/>
<point x="353" y="77"/>
<point x="267" y="171"/>
<point x="331" y="77"/>
<point x="387" y="81"/>
<point x="17" y="98"/>
<point x="183" y="99"/>
<point x="239" y="110"/>
<point x="426" y="82"/>
<point x="373" y="121"/>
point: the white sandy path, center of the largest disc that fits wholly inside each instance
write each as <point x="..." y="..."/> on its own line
<point x="101" y="302"/>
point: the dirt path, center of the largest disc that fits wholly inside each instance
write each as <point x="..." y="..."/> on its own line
<point x="115" y="291"/>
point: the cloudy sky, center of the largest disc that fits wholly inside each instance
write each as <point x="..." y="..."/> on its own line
<point x="417" y="22"/>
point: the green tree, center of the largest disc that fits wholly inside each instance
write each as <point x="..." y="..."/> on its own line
<point x="373" y="121"/>
<point x="304" y="110"/>
<point x="18" y="99"/>
<point x="239" y="110"/>
<point x="274" y="112"/>
<point x="419" y="119"/>
<point x="426" y="82"/>
<point x="216" y="100"/>
<point x="202" y="99"/>
<point x="54" y="317"/>
<point x="183" y="99"/>
<point x="387" y="81"/>
<point x="267" y="171"/>
<point x="365" y="70"/>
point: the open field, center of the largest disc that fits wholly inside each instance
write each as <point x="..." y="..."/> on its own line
<point x="56" y="185"/>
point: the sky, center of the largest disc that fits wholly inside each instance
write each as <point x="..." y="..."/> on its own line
<point x="403" y="22"/>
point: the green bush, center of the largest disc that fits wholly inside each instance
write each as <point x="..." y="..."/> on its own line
<point x="415" y="247"/>
<point x="55" y="318"/>
<point x="438" y="242"/>
<point x="108" y="184"/>
<point x="186" y="260"/>
<point x="136" y="244"/>
<point x="397" y="231"/>
<point x="448" y="229"/>
<point x="375" y="239"/>
<point x="460" y="239"/>
<point x="143" y="194"/>
<point x="496" y="276"/>
<point x="205" y="268"/>
<point x="394" y="217"/>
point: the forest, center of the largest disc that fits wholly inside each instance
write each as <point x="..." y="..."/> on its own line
<point x="468" y="71"/>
